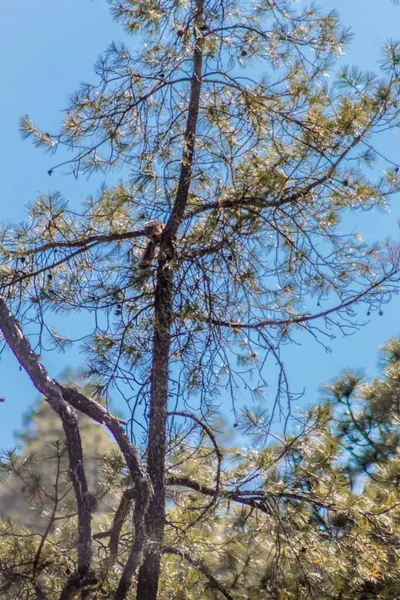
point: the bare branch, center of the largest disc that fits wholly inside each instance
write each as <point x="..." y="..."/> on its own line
<point x="142" y="497"/>
<point x="218" y="452"/>
<point x="306" y="318"/>
<point x="119" y="519"/>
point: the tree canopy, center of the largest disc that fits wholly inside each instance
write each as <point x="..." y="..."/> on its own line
<point x="231" y="135"/>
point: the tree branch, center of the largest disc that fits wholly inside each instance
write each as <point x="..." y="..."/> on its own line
<point x="91" y="240"/>
<point x="218" y="452"/>
<point x="62" y="399"/>
<point x="251" y="498"/>
<point x="306" y="318"/>
<point x="200" y="566"/>
<point x="22" y="350"/>
<point x="135" y="559"/>
<point x="119" y="519"/>
<point x="149" y="572"/>
<point x="263" y="202"/>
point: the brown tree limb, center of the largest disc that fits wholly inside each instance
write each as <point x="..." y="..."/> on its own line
<point x="142" y="498"/>
<point x="98" y="413"/>
<point x="119" y="519"/>
<point x="251" y="498"/>
<point x="91" y="241"/>
<point x="63" y="400"/>
<point x="21" y="348"/>
<point x="118" y="522"/>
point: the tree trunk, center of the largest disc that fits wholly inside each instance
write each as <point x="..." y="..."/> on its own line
<point x="149" y="571"/>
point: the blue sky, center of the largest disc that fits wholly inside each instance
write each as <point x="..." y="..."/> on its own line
<point x="48" y="48"/>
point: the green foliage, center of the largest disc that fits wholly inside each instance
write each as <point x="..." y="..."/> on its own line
<point x="233" y="128"/>
<point x="281" y="154"/>
<point x="299" y="518"/>
<point x="312" y="515"/>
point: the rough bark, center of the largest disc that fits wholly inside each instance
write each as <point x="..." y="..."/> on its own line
<point x="149" y="571"/>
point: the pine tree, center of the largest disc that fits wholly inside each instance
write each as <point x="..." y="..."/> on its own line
<point x="237" y="142"/>
<point x="35" y="474"/>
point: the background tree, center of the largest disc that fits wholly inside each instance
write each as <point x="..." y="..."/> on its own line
<point x="314" y="515"/>
<point x="38" y="478"/>
<point x="234" y="139"/>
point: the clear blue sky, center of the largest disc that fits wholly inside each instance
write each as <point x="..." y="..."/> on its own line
<point x="48" y="47"/>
